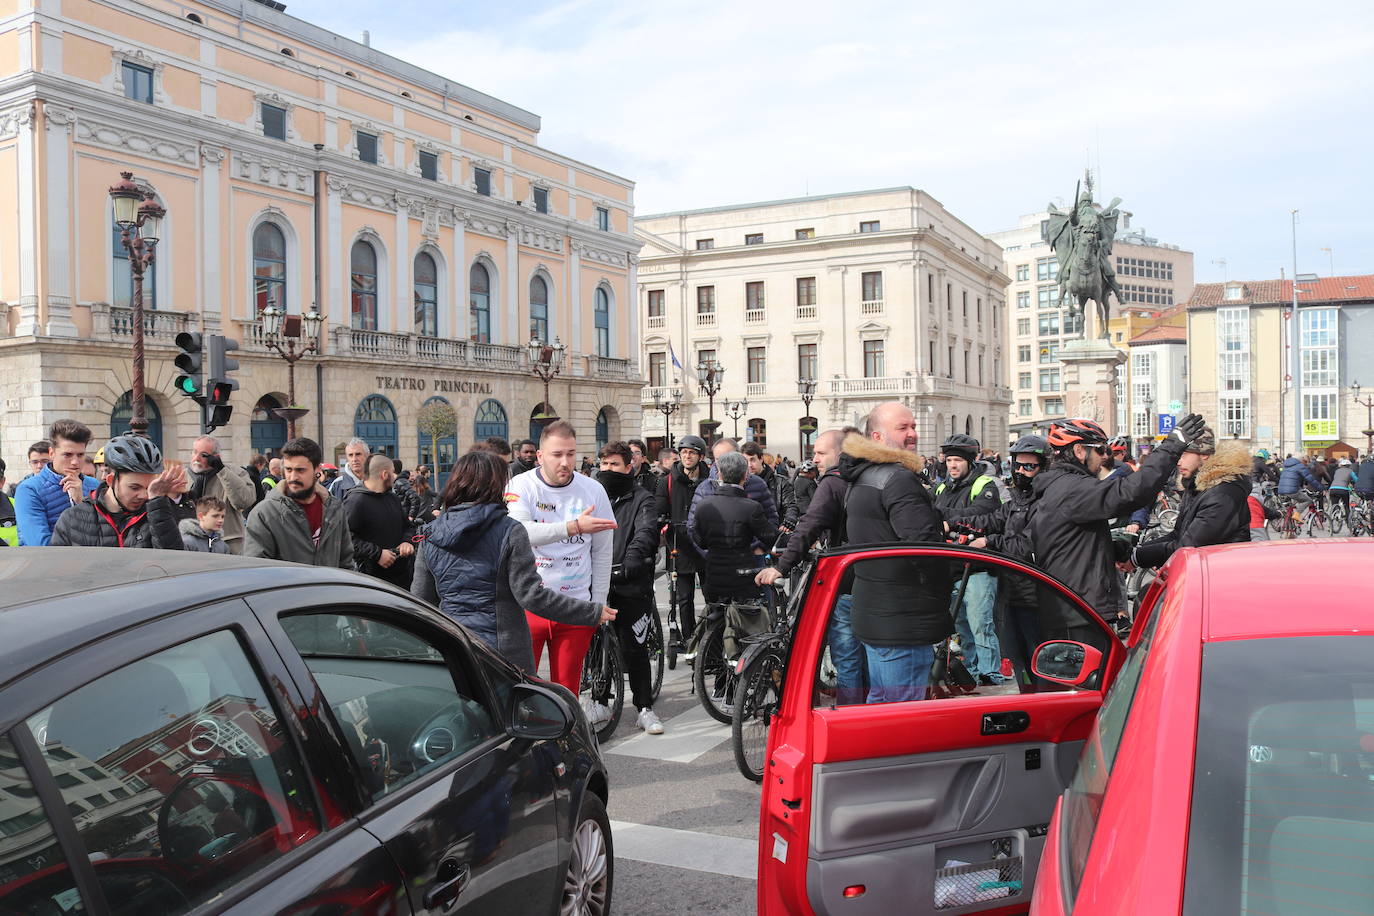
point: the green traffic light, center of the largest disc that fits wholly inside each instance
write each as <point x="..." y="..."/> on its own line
<point x="187" y="385"/>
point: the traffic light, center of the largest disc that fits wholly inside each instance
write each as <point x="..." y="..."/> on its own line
<point x="189" y="363"/>
<point x="219" y="384"/>
<point x="218" y="410"/>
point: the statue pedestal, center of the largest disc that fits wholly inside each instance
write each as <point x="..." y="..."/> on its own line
<point x="1090" y="380"/>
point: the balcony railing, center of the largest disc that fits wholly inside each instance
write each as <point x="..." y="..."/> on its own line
<point x="496" y="356"/>
<point x="756" y="389"/>
<point x="657" y="322"/>
<point x="871" y="307"/>
<point x="891" y="385"/>
<point x="441" y="349"/>
<point x="753" y="316"/>
<point x="379" y="343"/>
<point x="162" y="327"/>
<point x="608" y="367"/>
<point x="706" y="319"/>
<point x="806" y="313"/>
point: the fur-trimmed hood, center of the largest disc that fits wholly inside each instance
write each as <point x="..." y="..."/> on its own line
<point x="862" y="448"/>
<point x="1230" y="463"/>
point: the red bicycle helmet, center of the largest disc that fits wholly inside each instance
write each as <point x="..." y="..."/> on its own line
<point x="1077" y="431"/>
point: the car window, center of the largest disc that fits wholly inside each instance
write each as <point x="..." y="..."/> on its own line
<point x="922" y="627"/>
<point x="1083" y="798"/>
<point x="393" y="693"/>
<point x="34" y="877"/>
<point x="178" y="774"/>
<point x="1282" y="818"/>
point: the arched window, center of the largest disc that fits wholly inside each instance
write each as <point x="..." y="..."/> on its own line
<point x="266" y="430"/>
<point x="426" y="296"/>
<point x="758" y="431"/>
<point x="603" y="322"/>
<point x="363" y="269"/>
<point x="269" y="268"/>
<point x="375" y="422"/>
<point x="438" y="452"/>
<point x="479" y="300"/>
<point x="124" y="277"/>
<point x="490" y="421"/>
<point x="124" y="412"/>
<point x="539" y="310"/>
<point x="603" y="429"/>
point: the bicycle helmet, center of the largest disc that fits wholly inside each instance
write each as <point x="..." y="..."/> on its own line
<point x="695" y="443"/>
<point x="1077" y="431"/>
<point x="961" y="446"/>
<point x="1030" y="445"/>
<point x="99" y="456"/>
<point x="1204" y="444"/>
<point x="806" y="467"/>
<point x="1263" y="453"/>
<point x="1119" y="445"/>
<point x="134" y="454"/>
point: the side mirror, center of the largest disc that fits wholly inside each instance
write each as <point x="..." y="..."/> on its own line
<point x="538" y="713"/>
<point x="1064" y="662"/>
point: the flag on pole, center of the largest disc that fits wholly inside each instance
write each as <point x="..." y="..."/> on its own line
<point x="673" y="357"/>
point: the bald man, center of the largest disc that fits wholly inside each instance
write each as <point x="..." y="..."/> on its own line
<point x="380" y="526"/>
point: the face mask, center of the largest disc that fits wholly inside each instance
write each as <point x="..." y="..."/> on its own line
<point x="616" y="483"/>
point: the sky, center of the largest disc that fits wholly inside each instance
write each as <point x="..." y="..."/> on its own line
<point x="1212" y="121"/>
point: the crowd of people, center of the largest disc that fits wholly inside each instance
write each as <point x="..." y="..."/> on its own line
<point x="532" y="547"/>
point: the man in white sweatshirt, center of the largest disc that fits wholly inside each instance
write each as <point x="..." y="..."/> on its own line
<point x="570" y="523"/>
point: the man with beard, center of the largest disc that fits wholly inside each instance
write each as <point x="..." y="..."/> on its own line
<point x="299" y="521"/>
<point x="230" y="484"/>
<point x="130" y="509"/>
<point x="524" y="460"/>
<point x="379" y="526"/>
<point x="1214" y="508"/>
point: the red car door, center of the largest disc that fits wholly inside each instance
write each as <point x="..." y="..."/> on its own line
<point x="921" y="806"/>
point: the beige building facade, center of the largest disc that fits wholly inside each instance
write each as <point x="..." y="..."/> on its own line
<point x="1153" y="276"/>
<point x="297" y="168"/>
<point x="874" y="295"/>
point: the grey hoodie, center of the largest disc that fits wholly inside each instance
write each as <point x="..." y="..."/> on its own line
<point x="194" y="537"/>
<point x="277" y="530"/>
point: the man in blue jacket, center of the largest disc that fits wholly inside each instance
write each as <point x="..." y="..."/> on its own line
<point x="1295" y="476"/>
<point x="41" y="499"/>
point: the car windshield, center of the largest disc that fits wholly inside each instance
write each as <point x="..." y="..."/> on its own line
<point x="1283" y="788"/>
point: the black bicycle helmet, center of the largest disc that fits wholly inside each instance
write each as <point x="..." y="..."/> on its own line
<point x="961" y="446"/>
<point x="134" y="454"/>
<point x="1030" y="445"/>
<point x="696" y="443"/>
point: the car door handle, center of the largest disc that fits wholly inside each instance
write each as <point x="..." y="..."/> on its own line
<point x="1005" y="723"/>
<point x="450" y="880"/>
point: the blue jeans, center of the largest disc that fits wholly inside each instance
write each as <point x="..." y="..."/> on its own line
<point x="897" y="673"/>
<point x="847" y="655"/>
<point x="977" y="626"/>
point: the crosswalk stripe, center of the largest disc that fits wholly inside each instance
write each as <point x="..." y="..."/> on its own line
<point x="707" y="852"/>
<point x="685" y="737"/>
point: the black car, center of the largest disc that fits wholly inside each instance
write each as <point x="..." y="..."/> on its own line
<point x="183" y="731"/>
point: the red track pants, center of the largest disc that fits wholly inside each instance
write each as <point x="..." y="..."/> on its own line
<point x="567" y="649"/>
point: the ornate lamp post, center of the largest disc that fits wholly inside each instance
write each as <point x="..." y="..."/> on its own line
<point x="547" y="361"/>
<point x="806" y="387"/>
<point x="710" y="376"/>
<point x="1368" y="404"/>
<point x="667" y="406"/>
<point x="140" y="229"/>
<point x="736" y="409"/>
<point x="282" y="333"/>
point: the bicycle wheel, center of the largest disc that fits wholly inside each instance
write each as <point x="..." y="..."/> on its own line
<point x="1335" y="521"/>
<point x="1317" y="523"/>
<point x="654" y="646"/>
<point x="603" y="681"/>
<point x="757" y="697"/>
<point x="713" y="674"/>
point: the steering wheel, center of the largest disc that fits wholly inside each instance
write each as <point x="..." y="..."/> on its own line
<point x="448" y="731"/>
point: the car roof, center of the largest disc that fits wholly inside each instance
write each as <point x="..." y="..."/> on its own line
<point x="56" y="599"/>
<point x="1273" y="589"/>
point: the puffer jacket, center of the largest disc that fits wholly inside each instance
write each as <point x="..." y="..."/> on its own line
<point x="804" y="488"/>
<point x="1069" y="529"/>
<point x="194" y="537"/>
<point x="1364" y="480"/>
<point x="754" y="488"/>
<point x="1294" y="476"/>
<point x="89" y="524"/>
<point x="673" y="504"/>
<point x="897" y="602"/>
<point x="784" y="496"/>
<point x="39" y="502"/>
<point x="232" y="485"/>
<point x="725" y="528"/>
<point x="477" y="566"/>
<point x="1215" y="508"/>
<point x="636" y="543"/>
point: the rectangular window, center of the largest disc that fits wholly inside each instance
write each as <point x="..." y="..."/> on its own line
<point x="706" y="300"/>
<point x="1023" y="407"/>
<point x="1023" y="299"/>
<point x="758" y="365"/>
<point x="658" y="370"/>
<point x="705" y="244"/>
<point x="1049" y="324"/>
<point x="872" y="282"/>
<point x="1023" y="381"/>
<point x="367" y="147"/>
<point x="871" y="225"/>
<point x="1235" y="417"/>
<point x="603" y="219"/>
<point x="273" y="121"/>
<point x="753" y="295"/>
<point x="1319" y="368"/>
<point x="931" y="366"/>
<point x="1233" y="346"/>
<point x="1023" y="327"/>
<point x="1073" y="322"/>
<point x="1046" y="268"/>
<point x="978" y="310"/>
<point x="541" y="200"/>
<point x="965" y="302"/>
<point x="706" y="358"/>
<point x="966" y="376"/>
<point x="949" y="364"/>
<point x="1054" y="406"/>
<point x="807" y="365"/>
<point x="1022" y="273"/>
<point x="930" y="289"/>
<point x="1047" y="297"/>
<point x="1049" y="380"/>
<point x="806" y="233"/>
<point x="949" y="298"/>
<point x="1049" y="351"/>
<point x="481" y="180"/>
<point x="806" y="291"/>
<point x="429" y="165"/>
<point x="874" y="364"/>
<point x="138" y="82"/>
<point x="753" y="238"/>
<point x="655" y="303"/>
<point x="1023" y="354"/>
<point x="980" y="368"/>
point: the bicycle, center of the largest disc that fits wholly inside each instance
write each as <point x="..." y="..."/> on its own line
<point x="1361" y="517"/>
<point x="603" y="679"/>
<point x="758" y="693"/>
<point x="714" y="676"/>
<point x="1289" y="522"/>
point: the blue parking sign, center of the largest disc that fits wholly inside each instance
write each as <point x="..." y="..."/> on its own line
<point x="1166" y="424"/>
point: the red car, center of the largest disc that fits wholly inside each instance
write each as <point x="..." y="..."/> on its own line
<point x="1220" y="762"/>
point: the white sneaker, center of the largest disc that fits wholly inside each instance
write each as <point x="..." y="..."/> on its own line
<point x="649" y="721"/>
<point x="598" y="714"/>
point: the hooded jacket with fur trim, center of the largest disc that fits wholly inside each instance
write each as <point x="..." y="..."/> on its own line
<point x="1214" y="509"/>
<point x="898" y="602"/>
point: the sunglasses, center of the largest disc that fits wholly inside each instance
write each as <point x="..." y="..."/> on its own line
<point x="1026" y="465"/>
<point x="1100" y="449"/>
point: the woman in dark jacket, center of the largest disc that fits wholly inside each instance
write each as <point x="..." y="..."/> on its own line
<point x="476" y="564"/>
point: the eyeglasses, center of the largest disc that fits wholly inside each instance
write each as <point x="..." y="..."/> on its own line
<point x="1026" y="465"/>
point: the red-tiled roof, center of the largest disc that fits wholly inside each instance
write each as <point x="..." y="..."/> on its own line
<point x="1273" y="292"/>
<point x="1162" y="333"/>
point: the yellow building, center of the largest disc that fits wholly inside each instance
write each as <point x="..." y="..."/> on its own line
<point x="298" y="167"/>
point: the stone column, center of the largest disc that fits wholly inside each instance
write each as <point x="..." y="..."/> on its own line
<point x="1090" y="380"/>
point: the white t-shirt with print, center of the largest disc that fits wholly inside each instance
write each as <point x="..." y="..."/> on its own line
<point x="578" y="565"/>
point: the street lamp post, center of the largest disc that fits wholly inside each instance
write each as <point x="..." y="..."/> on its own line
<point x="547" y="361"/>
<point x="806" y="387"/>
<point x="282" y="333"/>
<point x="667" y="405"/>
<point x="736" y="409"/>
<point x="710" y="376"/>
<point x="1368" y="404"/>
<point x="139" y="218"/>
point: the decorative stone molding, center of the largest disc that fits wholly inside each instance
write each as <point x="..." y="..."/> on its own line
<point x="367" y="127"/>
<point x="486" y="225"/>
<point x="119" y="138"/>
<point x="276" y="101"/>
<point x="14" y="119"/>
<point x="533" y="237"/>
<point x="429" y="222"/>
<point x="141" y="58"/>
<point x="601" y="255"/>
<point x="359" y="194"/>
<point x="273" y="172"/>
<point x="211" y="155"/>
<point x="55" y="116"/>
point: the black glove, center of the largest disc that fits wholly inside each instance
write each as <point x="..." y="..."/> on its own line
<point x="214" y="464"/>
<point x="1189" y="428"/>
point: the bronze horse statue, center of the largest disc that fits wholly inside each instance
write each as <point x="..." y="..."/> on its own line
<point x="1082" y="242"/>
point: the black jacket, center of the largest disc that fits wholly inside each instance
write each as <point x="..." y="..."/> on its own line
<point x="1007" y="529"/>
<point x="636" y="543"/>
<point x="897" y="602"/>
<point x="804" y="488"/>
<point x="784" y="495"/>
<point x="824" y="515"/>
<point x="646" y="479"/>
<point x="672" y="503"/>
<point x="727" y="525"/>
<point x="1069" y="529"/>
<point x="88" y="524"/>
<point x="377" y="522"/>
<point x="420" y="506"/>
<point x="955" y="499"/>
<point x="1215" y="508"/>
